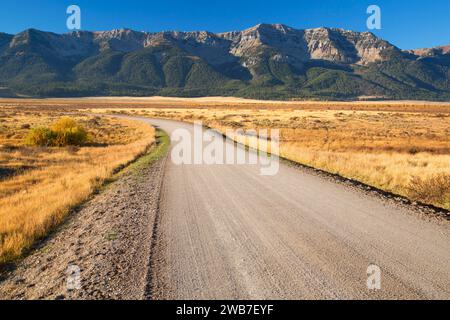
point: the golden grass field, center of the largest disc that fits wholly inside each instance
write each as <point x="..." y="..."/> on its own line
<point x="224" y="102"/>
<point x="39" y="186"/>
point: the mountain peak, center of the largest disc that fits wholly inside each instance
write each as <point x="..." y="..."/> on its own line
<point x="268" y="26"/>
<point x="294" y="45"/>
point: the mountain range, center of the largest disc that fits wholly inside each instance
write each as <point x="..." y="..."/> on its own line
<point x="267" y="61"/>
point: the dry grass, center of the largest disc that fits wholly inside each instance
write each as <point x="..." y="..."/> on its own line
<point x="39" y="186"/>
<point x="432" y="189"/>
<point x="388" y="150"/>
<point x="223" y="102"/>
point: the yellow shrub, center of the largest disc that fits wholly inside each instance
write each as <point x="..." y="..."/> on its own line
<point x="64" y="132"/>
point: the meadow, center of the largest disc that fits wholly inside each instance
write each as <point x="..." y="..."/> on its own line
<point x="40" y="185"/>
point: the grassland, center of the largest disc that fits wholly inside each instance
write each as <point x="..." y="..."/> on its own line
<point x="223" y="102"/>
<point x="39" y="186"/>
<point x="399" y="148"/>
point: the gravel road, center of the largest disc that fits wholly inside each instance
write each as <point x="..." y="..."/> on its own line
<point x="226" y="232"/>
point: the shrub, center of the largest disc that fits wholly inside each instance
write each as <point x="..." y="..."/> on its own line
<point x="41" y="136"/>
<point x="69" y="133"/>
<point x="71" y="137"/>
<point x="64" y="132"/>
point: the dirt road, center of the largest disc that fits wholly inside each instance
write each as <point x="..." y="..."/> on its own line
<point x="226" y="232"/>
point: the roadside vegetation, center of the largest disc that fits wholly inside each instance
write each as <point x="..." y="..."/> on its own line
<point x="406" y="153"/>
<point x="50" y="163"/>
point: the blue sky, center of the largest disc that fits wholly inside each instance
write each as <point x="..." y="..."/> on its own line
<point x="407" y="24"/>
